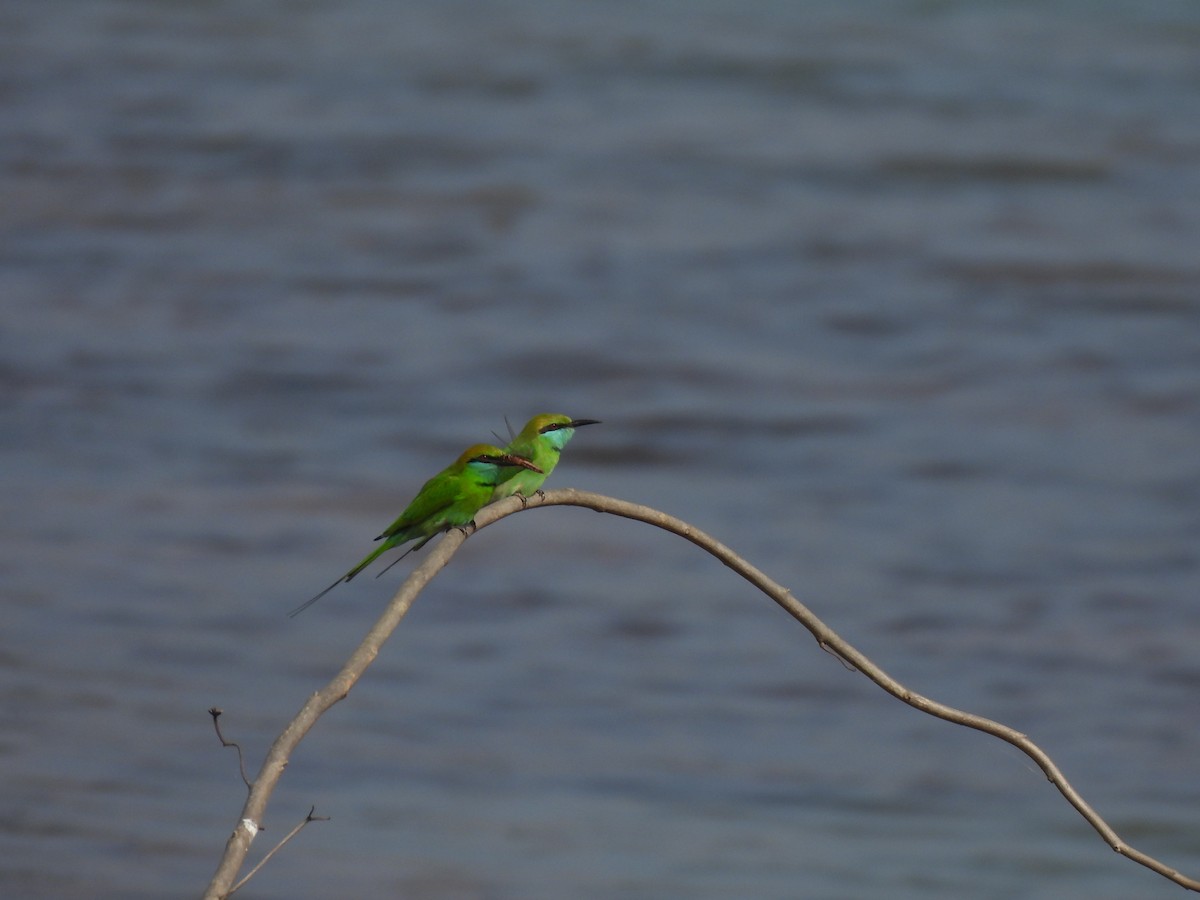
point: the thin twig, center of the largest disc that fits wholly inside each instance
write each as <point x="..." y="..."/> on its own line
<point x="215" y="712"/>
<point x="287" y="837"/>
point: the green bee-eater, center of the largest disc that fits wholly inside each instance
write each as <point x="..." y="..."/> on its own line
<point x="449" y="498"/>
<point x="541" y="442"/>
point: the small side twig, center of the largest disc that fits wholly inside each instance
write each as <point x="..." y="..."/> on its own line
<point x="215" y="712"/>
<point x="287" y="837"/>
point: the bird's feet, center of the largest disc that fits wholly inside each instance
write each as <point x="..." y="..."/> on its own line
<point x="541" y="495"/>
<point x="468" y="529"/>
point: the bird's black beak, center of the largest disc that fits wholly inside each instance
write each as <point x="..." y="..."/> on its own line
<point x="518" y="461"/>
<point x="575" y="423"/>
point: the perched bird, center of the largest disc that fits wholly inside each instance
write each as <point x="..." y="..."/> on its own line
<point x="541" y="442"/>
<point x="449" y="498"/>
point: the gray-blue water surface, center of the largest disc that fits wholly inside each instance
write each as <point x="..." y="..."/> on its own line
<point x="899" y="300"/>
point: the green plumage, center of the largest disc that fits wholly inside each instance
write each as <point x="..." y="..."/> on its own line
<point x="541" y="442"/>
<point x="449" y="498"/>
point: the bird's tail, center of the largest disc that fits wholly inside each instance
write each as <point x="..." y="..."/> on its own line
<point x="417" y="546"/>
<point x="307" y="603"/>
<point x="367" y="560"/>
<point x="512" y="435"/>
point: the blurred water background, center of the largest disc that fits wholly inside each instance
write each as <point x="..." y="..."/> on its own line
<point x="900" y="300"/>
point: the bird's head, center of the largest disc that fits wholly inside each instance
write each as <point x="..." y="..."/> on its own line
<point x="554" y="428"/>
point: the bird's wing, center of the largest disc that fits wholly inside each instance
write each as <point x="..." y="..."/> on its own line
<point x="439" y="493"/>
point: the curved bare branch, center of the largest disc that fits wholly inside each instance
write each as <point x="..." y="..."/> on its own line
<point x="239" y="842"/>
